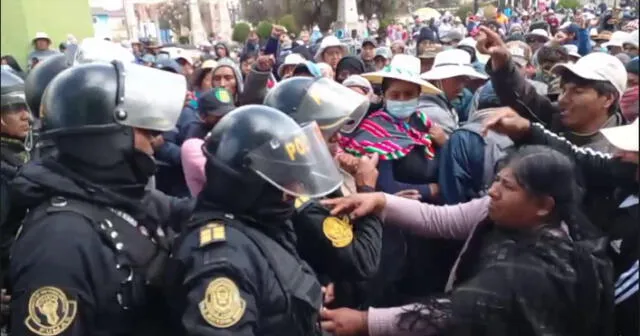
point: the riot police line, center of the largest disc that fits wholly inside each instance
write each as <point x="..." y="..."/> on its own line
<point x="89" y="249"/>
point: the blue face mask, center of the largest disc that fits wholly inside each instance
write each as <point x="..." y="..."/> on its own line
<point x="402" y="109"/>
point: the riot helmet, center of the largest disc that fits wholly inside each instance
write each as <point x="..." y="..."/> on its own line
<point x="12" y="91"/>
<point x="333" y="106"/>
<point x="39" y="77"/>
<point x="90" y="110"/>
<point x="93" y="49"/>
<point x="12" y="101"/>
<point x="256" y="149"/>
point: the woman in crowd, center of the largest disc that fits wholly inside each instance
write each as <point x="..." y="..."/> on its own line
<point x="532" y="263"/>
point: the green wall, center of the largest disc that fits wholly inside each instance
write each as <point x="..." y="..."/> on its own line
<point x="20" y="20"/>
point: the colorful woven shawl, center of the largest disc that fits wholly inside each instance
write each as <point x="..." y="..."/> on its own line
<point x="392" y="139"/>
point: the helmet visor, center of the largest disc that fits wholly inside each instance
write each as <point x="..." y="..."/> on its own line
<point x="299" y="164"/>
<point x="13" y="102"/>
<point x="334" y="106"/>
<point x="153" y="99"/>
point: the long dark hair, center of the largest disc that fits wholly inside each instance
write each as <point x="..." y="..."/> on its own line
<point x="11" y="61"/>
<point x="542" y="172"/>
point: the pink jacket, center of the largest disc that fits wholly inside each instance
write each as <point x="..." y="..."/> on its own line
<point x="449" y="221"/>
<point x="193" y="161"/>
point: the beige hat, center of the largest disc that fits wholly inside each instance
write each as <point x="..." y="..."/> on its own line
<point x="623" y="137"/>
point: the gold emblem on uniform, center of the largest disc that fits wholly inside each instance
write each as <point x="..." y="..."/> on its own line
<point x="222" y="306"/>
<point x="50" y="311"/>
<point x="338" y="230"/>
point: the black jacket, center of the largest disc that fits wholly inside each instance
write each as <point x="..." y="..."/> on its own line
<point x="237" y="276"/>
<point x="515" y="91"/>
<point x="604" y="175"/>
<point x="68" y="250"/>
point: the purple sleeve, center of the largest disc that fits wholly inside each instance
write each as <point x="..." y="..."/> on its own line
<point x="448" y="221"/>
<point x="384" y="322"/>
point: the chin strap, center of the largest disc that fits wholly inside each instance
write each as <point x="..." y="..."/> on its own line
<point x="28" y="141"/>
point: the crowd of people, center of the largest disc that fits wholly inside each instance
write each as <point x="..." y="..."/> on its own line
<point x="473" y="177"/>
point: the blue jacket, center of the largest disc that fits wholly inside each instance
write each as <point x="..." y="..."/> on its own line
<point x="461" y="169"/>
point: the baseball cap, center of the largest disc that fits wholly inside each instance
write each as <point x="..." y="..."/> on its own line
<point x="216" y="102"/>
<point x="384" y="52"/>
<point x="597" y="66"/>
<point x="370" y="41"/>
<point x="623" y="137"/>
<point x="520" y="52"/>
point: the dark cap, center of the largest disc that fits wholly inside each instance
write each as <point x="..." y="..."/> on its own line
<point x="371" y="41"/>
<point x="216" y="102"/>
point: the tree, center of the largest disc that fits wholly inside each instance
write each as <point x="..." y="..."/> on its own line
<point x="289" y="21"/>
<point x="240" y="32"/>
<point x="174" y="14"/>
<point x="264" y="29"/>
<point x="382" y="8"/>
<point x="568" y="4"/>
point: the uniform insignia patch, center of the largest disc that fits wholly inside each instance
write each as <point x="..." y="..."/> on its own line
<point x="338" y="230"/>
<point x="300" y="201"/>
<point x="50" y="311"/>
<point x="211" y="233"/>
<point x="222" y="306"/>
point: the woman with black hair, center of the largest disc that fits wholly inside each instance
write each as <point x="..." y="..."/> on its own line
<point x="13" y="64"/>
<point x="531" y="265"/>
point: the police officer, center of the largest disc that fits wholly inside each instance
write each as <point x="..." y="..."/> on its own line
<point x="15" y="140"/>
<point x="241" y="273"/>
<point x="35" y="84"/>
<point x="89" y="258"/>
<point x="339" y="250"/>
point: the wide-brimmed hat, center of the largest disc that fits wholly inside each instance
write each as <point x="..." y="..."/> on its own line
<point x="617" y="39"/>
<point x="597" y="66"/>
<point x="623" y="137"/>
<point x="452" y="63"/>
<point x="41" y="36"/>
<point x="632" y="39"/>
<point x="291" y="59"/>
<point x="538" y="33"/>
<point x="402" y="67"/>
<point x="328" y="42"/>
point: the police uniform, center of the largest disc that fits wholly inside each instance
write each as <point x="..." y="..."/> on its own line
<point x="90" y="256"/>
<point x="14" y="152"/>
<point x="340" y="250"/>
<point x="240" y="273"/>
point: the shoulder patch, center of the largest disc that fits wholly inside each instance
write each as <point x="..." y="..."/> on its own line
<point x="300" y="201"/>
<point x="222" y="306"/>
<point x="338" y="230"/>
<point x="212" y="233"/>
<point x="50" y="311"/>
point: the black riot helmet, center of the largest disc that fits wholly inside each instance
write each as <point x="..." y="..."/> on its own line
<point x="90" y="110"/>
<point x="12" y="92"/>
<point x="333" y="106"/>
<point x="39" y="77"/>
<point x="255" y="148"/>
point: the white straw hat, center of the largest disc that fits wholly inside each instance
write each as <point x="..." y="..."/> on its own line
<point x="328" y="42"/>
<point x="617" y="39"/>
<point x="291" y="59"/>
<point x="402" y="67"/>
<point x="41" y="36"/>
<point x="452" y="63"/>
